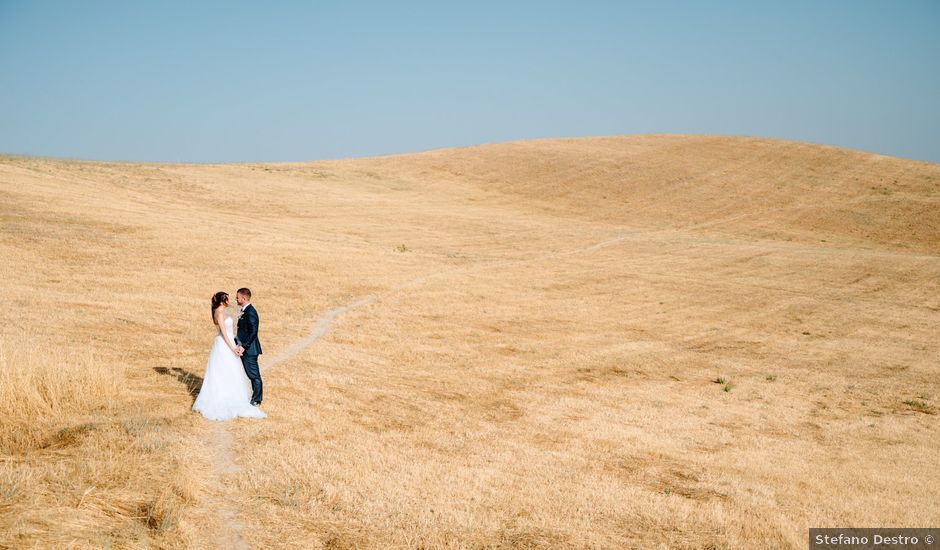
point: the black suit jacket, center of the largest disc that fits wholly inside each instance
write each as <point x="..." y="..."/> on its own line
<point x="247" y="335"/>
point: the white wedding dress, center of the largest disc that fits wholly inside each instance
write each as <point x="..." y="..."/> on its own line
<point x="226" y="390"/>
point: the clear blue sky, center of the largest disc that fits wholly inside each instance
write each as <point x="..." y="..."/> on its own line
<point x="272" y="81"/>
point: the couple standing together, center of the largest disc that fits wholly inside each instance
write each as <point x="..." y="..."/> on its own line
<point x="232" y="384"/>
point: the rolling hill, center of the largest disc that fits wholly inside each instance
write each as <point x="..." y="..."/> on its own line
<point x="695" y="341"/>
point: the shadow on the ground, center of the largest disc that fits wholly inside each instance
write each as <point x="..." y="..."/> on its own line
<point x="193" y="383"/>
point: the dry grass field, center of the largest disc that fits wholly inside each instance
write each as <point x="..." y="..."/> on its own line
<point x="625" y="342"/>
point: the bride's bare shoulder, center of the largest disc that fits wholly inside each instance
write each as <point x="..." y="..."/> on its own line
<point x="219" y="316"/>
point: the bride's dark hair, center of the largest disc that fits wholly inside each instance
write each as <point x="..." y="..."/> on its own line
<point x="218" y="299"/>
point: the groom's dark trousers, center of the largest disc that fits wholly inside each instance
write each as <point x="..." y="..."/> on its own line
<point x="250" y="362"/>
<point x="247" y="337"/>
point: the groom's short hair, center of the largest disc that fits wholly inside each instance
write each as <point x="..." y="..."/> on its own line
<point x="244" y="292"/>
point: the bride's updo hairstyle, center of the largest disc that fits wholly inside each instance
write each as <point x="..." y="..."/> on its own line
<point x="218" y="299"/>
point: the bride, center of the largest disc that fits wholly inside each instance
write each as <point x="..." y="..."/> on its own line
<point x="226" y="390"/>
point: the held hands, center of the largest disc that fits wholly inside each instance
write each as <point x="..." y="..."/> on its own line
<point x="239" y="351"/>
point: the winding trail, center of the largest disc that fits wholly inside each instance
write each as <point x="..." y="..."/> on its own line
<point x="318" y="330"/>
<point x="221" y="444"/>
<point x="221" y="440"/>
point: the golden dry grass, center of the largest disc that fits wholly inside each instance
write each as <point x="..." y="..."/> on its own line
<point x="533" y="365"/>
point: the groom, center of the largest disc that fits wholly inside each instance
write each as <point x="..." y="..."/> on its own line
<point x="249" y="347"/>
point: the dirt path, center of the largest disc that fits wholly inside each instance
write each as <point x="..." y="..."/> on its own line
<point x="221" y="440"/>
<point x="221" y="443"/>
<point x="318" y="330"/>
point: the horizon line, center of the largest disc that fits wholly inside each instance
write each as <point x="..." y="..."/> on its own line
<point x="5" y="155"/>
